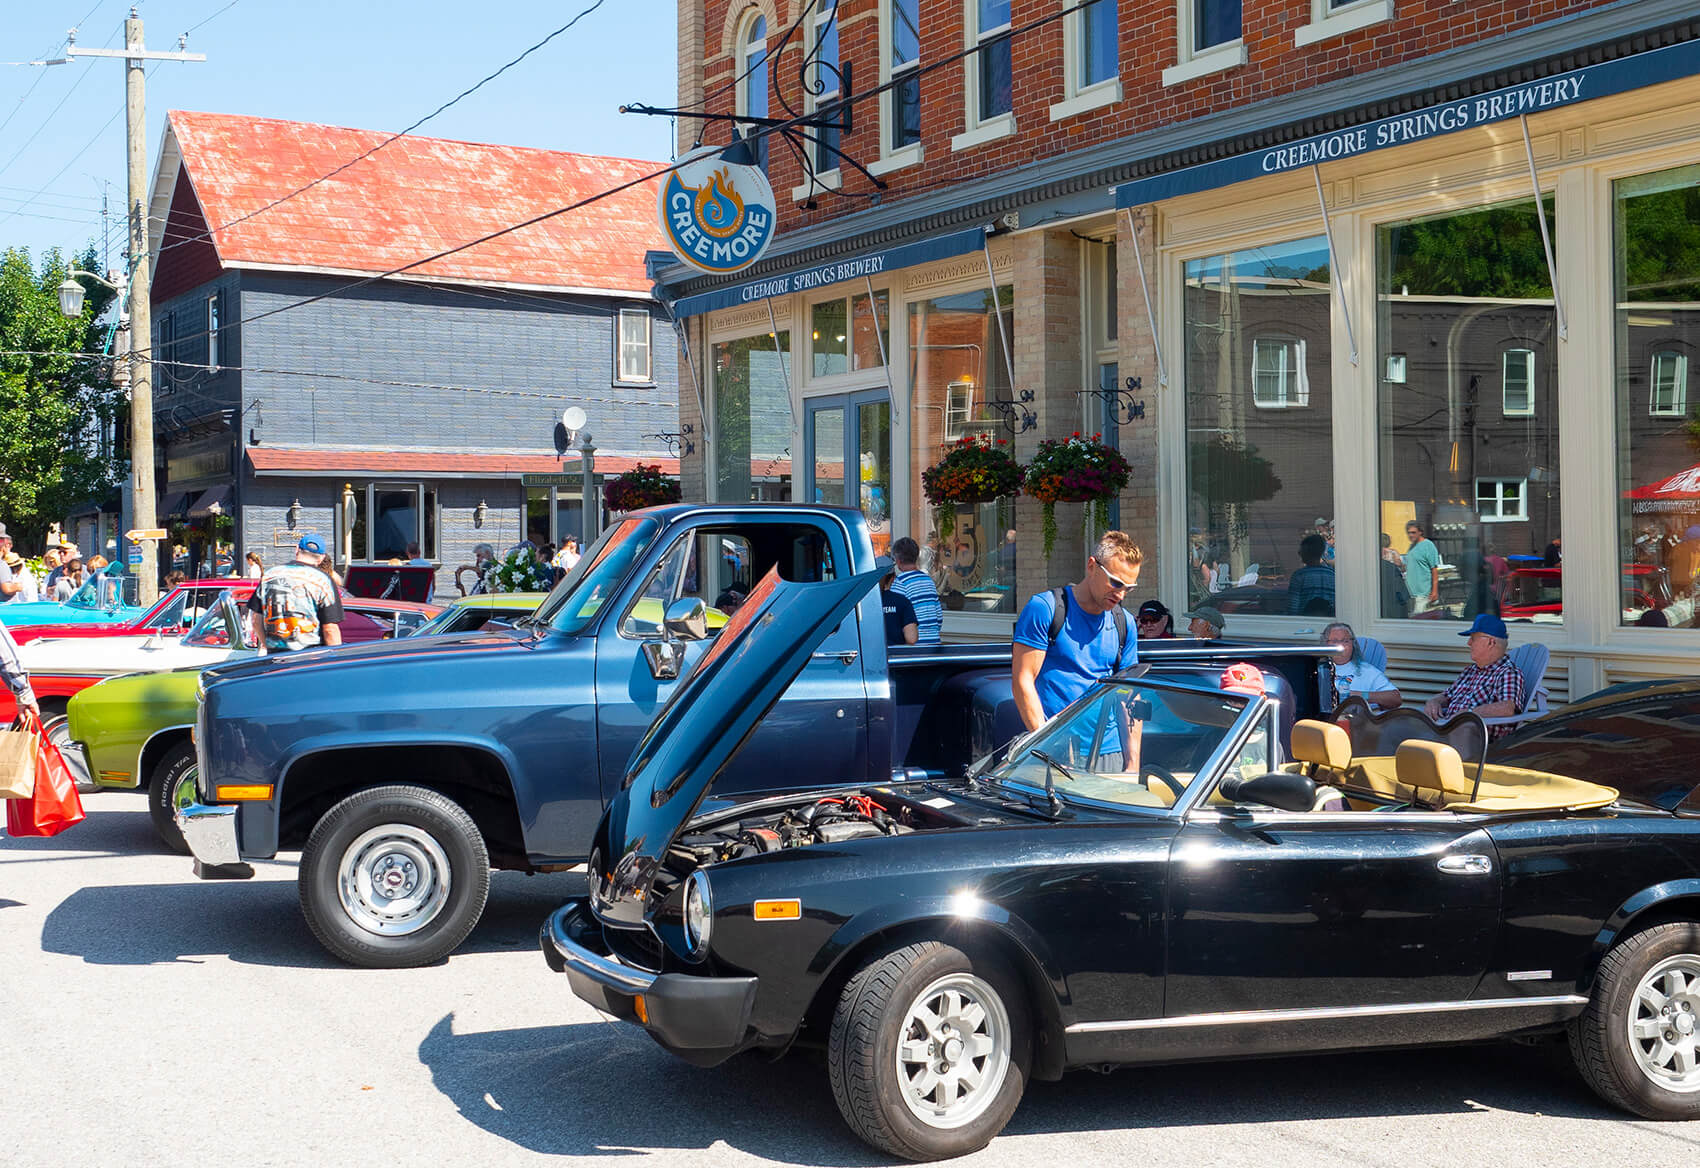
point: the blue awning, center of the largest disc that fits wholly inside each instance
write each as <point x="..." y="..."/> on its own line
<point x="1636" y="71"/>
<point x="851" y="267"/>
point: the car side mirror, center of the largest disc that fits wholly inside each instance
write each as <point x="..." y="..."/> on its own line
<point x="1282" y="790"/>
<point x="687" y="619"/>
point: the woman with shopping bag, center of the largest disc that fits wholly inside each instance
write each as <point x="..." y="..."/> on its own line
<point x="37" y="787"/>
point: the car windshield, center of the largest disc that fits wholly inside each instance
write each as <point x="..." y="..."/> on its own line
<point x="218" y="625"/>
<point x="168" y="613"/>
<point x="1134" y="744"/>
<point x="592" y="582"/>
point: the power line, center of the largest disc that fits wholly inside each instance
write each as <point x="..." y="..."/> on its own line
<point x="86" y="147"/>
<point x="208" y="233"/>
<point x="213" y="17"/>
<point x="81" y="77"/>
<point x="43" y="76"/>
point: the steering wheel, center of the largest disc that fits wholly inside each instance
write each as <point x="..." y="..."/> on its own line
<point x="1150" y="770"/>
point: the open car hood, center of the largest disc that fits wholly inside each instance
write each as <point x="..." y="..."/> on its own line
<point x="710" y="714"/>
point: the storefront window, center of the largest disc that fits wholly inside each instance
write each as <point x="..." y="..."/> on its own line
<point x="1468" y="429"/>
<point x="1259" y="416"/>
<point x="752" y="419"/>
<point x="1656" y="229"/>
<point x="956" y="367"/>
<point x="844" y="337"/>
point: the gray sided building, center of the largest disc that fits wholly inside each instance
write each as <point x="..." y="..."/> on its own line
<point x="299" y="387"/>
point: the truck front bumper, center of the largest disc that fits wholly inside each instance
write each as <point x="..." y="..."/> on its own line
<point x="703" y="1020"/>
<point x="210" y="833"/>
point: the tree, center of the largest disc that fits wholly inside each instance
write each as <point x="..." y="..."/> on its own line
<point x="57" y="403"/>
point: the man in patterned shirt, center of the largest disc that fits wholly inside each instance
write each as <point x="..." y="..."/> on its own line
<point x="918" y="587"/>
<point x="1310" y="592"/>
<point x="1491" y="685"/>
<point x="295" y="605"/>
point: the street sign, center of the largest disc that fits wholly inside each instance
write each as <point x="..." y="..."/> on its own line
<point x="571" y="479"/>
<point x="140" y="533"/>
<point x="134" y="555"/>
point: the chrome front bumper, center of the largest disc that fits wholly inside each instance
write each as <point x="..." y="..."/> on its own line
<point x="210" y="833"/>
<point x="568" y="937"/>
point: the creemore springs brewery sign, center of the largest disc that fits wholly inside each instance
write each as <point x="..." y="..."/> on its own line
<point x="719" y="216"/>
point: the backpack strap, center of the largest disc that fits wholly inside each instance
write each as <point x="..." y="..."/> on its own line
<point x="1120" y="615"/>
<point x="1059" y="613"/>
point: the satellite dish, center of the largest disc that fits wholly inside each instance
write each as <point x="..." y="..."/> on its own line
<point x="574" y="418"/>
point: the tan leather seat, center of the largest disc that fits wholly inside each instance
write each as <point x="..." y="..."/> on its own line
<point x="1321" y="744"/>
<point x="1432" y="773"/>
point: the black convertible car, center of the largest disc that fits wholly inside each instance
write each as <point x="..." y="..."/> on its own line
<point x="1163" y="872"/>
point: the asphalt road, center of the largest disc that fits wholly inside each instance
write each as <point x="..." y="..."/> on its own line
<point x="147" y="1018"/>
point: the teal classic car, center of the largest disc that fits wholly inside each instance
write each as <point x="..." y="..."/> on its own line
<point x="99" y="601"/>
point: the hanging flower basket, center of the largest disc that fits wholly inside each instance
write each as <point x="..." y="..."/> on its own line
<point x="642" y="486"/>
<point x="1080" y="470"/>
<point x="518" y="571"/>
<point x="975" y="469"/>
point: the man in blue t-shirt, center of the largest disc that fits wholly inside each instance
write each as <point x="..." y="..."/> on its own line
<point x="1049" y="674"/>
<point x="918" y="588"/>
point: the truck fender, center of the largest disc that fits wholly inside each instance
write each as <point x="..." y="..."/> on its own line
<point x="960" y="916"/>
<point x="1680" y="895"/>
<point x="366" y="739"/>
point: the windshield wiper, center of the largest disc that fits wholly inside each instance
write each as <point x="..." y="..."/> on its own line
<point x="1051" y="766"/>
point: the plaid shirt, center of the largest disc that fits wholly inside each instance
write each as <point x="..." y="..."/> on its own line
<point x="1311" y="582"/>
<point x="1499" y="682"/>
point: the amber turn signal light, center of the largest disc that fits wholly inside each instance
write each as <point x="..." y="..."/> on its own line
<point x="242" y="792"/>
<point x="641" y="1009"/>
<point x="778" y="910"/>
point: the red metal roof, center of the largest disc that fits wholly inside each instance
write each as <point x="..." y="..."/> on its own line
<point x="413" y="198"/>
<point x="274" y="460"/>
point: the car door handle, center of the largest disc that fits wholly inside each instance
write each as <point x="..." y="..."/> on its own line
<point x="1470" y="865"/>
<point x="847" y="656"/>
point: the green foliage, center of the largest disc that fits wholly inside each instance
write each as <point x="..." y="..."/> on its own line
<point x="1495" y="252"/>
<point x="1661" y="246"/>
<point x="52" y="403"/>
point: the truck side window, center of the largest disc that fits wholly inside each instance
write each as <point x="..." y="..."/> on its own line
<point x="715" y="566"/>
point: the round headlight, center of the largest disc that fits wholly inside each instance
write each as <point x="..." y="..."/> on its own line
<point x="699" y="913"/>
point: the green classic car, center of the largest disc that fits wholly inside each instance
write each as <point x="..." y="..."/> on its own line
<point x="134" y="729"/>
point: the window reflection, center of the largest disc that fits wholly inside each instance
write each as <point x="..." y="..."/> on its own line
<point x="752" y="419"/>
<point x="1468" y="432"/>
<point x="1260" y="430"/>
<point x="1657" y="236"/>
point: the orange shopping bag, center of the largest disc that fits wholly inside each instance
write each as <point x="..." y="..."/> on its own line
<point x="54" y="806"/>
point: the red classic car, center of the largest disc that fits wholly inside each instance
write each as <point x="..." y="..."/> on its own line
<point x="172" y="614"/>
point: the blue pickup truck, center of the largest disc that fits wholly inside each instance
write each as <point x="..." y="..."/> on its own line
<point x="406" y="770"/>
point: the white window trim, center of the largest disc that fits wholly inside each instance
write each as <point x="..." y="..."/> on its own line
<point x="1325" y="24"/>
<point x="824" y="180"/>
<point x="1216" y="59"/>
<point x="1679" y="404"/>
<point x="1079" y="99"/>
<point x="973" y="37"/>
<point x="1001" y="126"/>
<point x="1300" y="397"/>
<point x="620" y="377"/>
<point x="1504" y="377"/>
<point x="909" y="155"/>
<point x="811" y="102"/>
<point x="1499" y="499"/>
<point x="871" y="376"/>
<point x="215" y="313"/>
<point x="741" y="60"/>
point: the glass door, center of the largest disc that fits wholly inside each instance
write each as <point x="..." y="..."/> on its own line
<point x="847" y="457"/>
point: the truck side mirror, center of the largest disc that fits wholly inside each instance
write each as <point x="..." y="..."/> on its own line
<point x="687" y="619"/>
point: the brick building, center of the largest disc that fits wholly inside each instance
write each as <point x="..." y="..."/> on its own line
<point x="291" y="371"/>
<point x="1288" y="256"/>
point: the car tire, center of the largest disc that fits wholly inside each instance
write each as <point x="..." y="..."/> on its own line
<point x="171" y="785"/>
<point x="1642" y="1024"/>
<point x="58" y="731"/>
<point x="884" y="1056"/>
<point x="394" y="877"/>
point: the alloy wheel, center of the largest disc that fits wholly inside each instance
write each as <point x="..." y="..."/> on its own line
<point x="953" y="1051"/>
<point x="1664" y="1024"/>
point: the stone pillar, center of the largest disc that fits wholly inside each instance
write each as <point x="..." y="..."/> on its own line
<point x="693" y="466"/>
<point x="1047" y="345"/>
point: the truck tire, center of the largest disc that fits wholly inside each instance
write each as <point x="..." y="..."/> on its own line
<point x="929" y="1050"/>
<point x="394" y="877"/>
<point x="1638" y="1042"/>
<point x="172" y="785"/>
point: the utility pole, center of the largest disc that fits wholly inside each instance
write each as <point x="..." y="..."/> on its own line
<point x="142" y="509"/>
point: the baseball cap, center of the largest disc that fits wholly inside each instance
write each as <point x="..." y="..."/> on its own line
<point x="1243" y="677"/>
<point x="3" y="532"/>
<point x="1152" y="610"/>
<point x="1208" y="614"/>
<point x="312" y="543"/>
<point x="1487" y="623"/>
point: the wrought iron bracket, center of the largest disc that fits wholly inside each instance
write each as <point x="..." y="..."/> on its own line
<point x="1113" y="396"/>
<point x="674" y="440"/>
<point x="1016" y="416"/>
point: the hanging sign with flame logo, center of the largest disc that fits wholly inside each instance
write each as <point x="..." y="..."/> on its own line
<point x="718" y="216"/>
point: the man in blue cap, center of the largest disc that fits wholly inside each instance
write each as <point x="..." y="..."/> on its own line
<point x="296" y="605"/>
<point x="1491" y="685"/>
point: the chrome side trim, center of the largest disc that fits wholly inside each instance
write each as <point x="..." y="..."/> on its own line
<point x="1326" y="1013"/>
<point x="141" y="779"/>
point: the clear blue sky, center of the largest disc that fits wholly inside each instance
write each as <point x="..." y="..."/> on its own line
<point x="371" y="64"/>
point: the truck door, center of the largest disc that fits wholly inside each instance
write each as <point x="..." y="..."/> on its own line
<point x="818" y="730"/>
